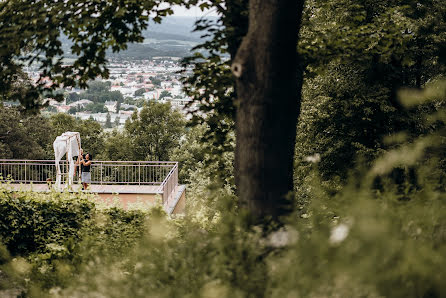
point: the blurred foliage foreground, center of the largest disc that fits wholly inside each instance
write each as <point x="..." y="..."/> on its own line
<point x="376" y="237"/>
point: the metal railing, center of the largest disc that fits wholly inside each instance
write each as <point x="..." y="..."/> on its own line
<point x="169" y="185"/>
<point x="102" y="172"/>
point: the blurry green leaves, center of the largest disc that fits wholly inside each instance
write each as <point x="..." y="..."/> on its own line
<point x="30" y="32"/>
<point x="412" y="152"/>
<point x="353" y="29"/>
<point x="434" y="92"/>
<point x="405" y="156"/>
<point x="351" y="246"/>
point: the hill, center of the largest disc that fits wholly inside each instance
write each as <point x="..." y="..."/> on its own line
<point x="173" y="37"/>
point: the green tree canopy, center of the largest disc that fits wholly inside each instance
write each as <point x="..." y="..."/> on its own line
<point x="96" y="108"/>
<point x="155" y="131"/>
<point x="98" y="87"/>
<point x="358" y="54"/>
<point x="140" y="92"/>
<point x="117" y="121"/>
<point x="164" y="94"/>
<point x="24" y="136"/>
<point x="108" y="123"/>
<point x="118" y="146"/>
<point x="155" y="81"/>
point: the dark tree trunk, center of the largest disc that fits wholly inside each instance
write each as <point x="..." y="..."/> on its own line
<point x="235" y="20"/>
<point x="269" y="82"/>
<point x="418" y="71"/>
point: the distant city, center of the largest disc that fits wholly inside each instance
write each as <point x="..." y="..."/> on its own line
<point x="137" y="76"/>
<point x="130" y="85"/>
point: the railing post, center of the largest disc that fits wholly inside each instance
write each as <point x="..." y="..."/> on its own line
<point x="25" y="172"/>
<point x="165" y="195"/>
<point x="176" y="174"/>
<point x="139" y="173"/>
<point x="101" y="172"/>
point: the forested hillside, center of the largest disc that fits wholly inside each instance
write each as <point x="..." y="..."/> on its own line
<point x="173" y="37"/>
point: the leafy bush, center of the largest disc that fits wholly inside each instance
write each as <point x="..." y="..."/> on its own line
<point x="31" y="221"/>
<point x="48" y="235"/>
<point x="355" y="245"/>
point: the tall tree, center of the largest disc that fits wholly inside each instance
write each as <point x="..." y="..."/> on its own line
<point x="117" y="121"/>
<point x="24" y="136"/>
<point x="164" y="93"/>
<point x="349" y="95"/>
<point x="269" y="82"/>
<point x="108" y="123"/>
<point x="155" y="131"/>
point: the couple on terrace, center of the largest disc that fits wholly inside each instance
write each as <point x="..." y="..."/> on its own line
<point x="84" y="160"/>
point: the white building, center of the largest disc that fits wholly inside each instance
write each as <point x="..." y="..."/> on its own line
<point x="102" y="117"/>
<point x="125" y="90"/>
<point x="151" y="95"/>
<point x="111" y="105"/>
<point x="80" y="103"/>
<point x="128" y="107"/>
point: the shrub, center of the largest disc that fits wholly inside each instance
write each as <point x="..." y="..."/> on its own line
<point x="31" y="221"/>
<point x="54" y="233"/>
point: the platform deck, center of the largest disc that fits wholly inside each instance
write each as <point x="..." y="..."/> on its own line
<point x="94" y="188"/>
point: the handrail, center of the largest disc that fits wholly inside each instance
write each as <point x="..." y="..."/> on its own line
<point x="94" y="161"/>
<point x="166" y="187"/>
<point x="169" y="174"/>
<point x="162" y="174"/>
<point x="103" y="172"/>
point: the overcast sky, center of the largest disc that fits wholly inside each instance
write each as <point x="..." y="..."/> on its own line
<point x="193" y="12"/>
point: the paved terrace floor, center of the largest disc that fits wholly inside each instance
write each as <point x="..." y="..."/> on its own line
<point x="126" y="194"/>
<point x="93" y="188"/>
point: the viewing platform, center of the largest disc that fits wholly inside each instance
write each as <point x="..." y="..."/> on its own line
<point x="128" y="181"/>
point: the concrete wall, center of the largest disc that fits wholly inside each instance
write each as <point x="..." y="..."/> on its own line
<point x="180" y="207"/>
<point x="128" y="198"/>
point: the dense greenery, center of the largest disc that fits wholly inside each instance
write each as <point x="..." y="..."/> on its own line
<point x="370" y="175"/>
<point x="140" y="92"/>
<point x="100" y="92"/>
<point x="164" y="93"/>
<point x="350" y="93"/>
<point x="23" y="136"/>
<point x="151" y="134"/>
<point x="51" y="231"/>
<point x="31" y="136"/>
<point x="361" y="242"/>
<point x="35" y="221"/>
